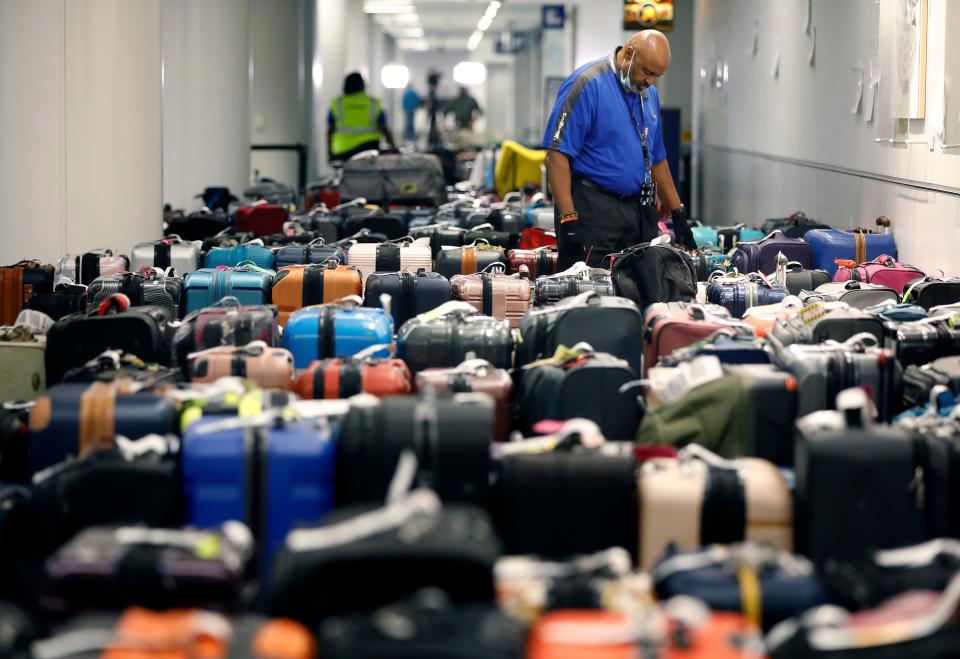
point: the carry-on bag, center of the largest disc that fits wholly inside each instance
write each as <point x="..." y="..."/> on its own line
<point x="390" y="225"/>
<point x="344" y="377"/>
<point x="400" y="178"/>
<point x="269" y="368"/>
<point x="469" y="259"/>
<point x="579" y="278"/>
<point x="793" y="226"/>
<point x="924" y="341"/>
<point x="411" y="293"/>
<point x="859" y="295"/>
<point x="316" y="251"/>
<point x="86" y="267"/>
<point x="761" y="255"/>
<point x="669" y="326"/>
<point x="22" y="363"/>
<point x="147" y="287"/>
<point x="18" y="284"/>
<point x="65" y="299"/>
<point x="250" y="252"/>
<point x="919" y="381"/>
<point x="250" y="284"/>
<point x="858" y="245"/>
<point x="475" y="376"/>
<point x="929" y="292"/>
<point x="171" y="252"/>
<point x="225" y="323"/>
<point x="261" y="219"/>
<point x="541" y="261"/>
<point x="299" y="286"/>
<point x="405" y="254"/>
<point x="337" y="329"/>
<point x="494" y="293"/>
<point x="802" y="279"/>
<point x="653" y="272"/>
<point x="197" y="226"/>
<point x="738" y="293"/>
<point x="883" y="270"/>
<point x="819" y="323"/>
<point x="443" y="338"/>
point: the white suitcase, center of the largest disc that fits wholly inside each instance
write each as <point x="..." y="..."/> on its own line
<point x="396" y="256"/>
<point x="543" y="218"/>
<point x="181" y="255"/>
<point x="84" y="268"/>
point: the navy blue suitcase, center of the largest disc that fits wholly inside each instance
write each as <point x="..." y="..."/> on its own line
<point x="58" y="431"/>
<point x="272" y="476"/>
<point x="728" y="349"/>
<point x="411" y="294"/>
<point x="738" y="295"/>
<point x="314" y="252"/>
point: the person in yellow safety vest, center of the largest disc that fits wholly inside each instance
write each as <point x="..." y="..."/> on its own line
<point x="355" y="122"/>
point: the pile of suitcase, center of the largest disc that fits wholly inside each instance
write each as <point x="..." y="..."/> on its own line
<point x="401" y="432"/>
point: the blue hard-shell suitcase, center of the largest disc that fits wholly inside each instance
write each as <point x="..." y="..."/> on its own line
<point x="338" y="329"/>
<point x="272" y="476"/>
<point x="831" y="244"/>
<point x="208" y="286"/>
<point x="704" y="235"/>
<point x="738" y="296"/>
<point x="55" y="422"/>
<point x="234" y="256"/>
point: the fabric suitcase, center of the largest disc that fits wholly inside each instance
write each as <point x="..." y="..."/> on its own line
<point x="172" y="252"/>
<point x="475" y="376"/>
<point x="231" y="257"/>
<point x="338" y="329"/>
<point x="405" y="177"/>
<point x="299" y="286"/>
<point x="495" y="294"/>
<point x="566" y="503"/>
<point x="272" y="476"/>
<point x="74" y="340"/>
<point x="22" y="364"/>
<point x="836" y="324"/>
<point x="550" y="289"/>
<point x="207" y="286"/>
<point x="854" y="293"/>
<point x="18" y="284"/>
<point x="269" y="368"/>
<point x="738" y="294"/>
<point x="151" y="289"/>
<point x="579" y="384"/>
<point x="669" y="326"/>
<point x="390" y="257"/>
<point x="761" y="255"/>
<point x="439" y="630"/>
<point x="653" y="272"/>
<point x="750" y="411"/>
<point x="66" y="299"/>
<point x="539" y="262"/>
<point x="857" y="245"/>
<point x="929" y="293"/>
<point x="314" y="252"/>
<point x="922" y="342"/>
<point x="883" y="271"/>
<point x="348" y="376"/>
<point x="793" y="226"/>
<point x="719" y="577"/>
<point x="449" y="436"/>
<point x="919" y="381"/>
<point x="261" y="219"/>
<point x="197" y="226"/>
<point x="227" y="323"/>
<point x="609" y="324"/>
<point x="105" y="568"/>
<point x="84" y="268"/>
<point x="75" y="419"/>
<point x="468" y="260"/>
<point x="823" y="371"/>
<point x="698" y="500"/>
<point x="412" y="543"/>
<point x="411" y="293"/>
<point x="444" y="337"/>
<point x="392" y="226"/>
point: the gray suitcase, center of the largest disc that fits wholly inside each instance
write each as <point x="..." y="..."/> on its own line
<point x="157" y="291"/>
<point x="403" y="177"/>
<point x="182" y="256"/>
<point x="859" y="295"/>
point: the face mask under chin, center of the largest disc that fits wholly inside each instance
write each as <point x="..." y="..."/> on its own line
<point x="627" y="76"/>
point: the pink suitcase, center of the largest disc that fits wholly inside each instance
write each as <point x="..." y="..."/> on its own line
<point x="496" y="294"/>
<point x="405" y="255"/>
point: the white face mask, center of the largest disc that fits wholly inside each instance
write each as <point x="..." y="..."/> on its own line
<point x="626" y="76"/>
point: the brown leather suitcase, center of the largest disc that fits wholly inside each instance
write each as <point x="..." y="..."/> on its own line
<point x="496" y="294"/>
<point x="348" y="376"/>
<point x="475" y="375"/>
<point x="541" y="261"/>
<point x="18" y="283"/>
<point x="270" y="368"/>
<point x="299" y="286"/>
<point x="699" y="499"/>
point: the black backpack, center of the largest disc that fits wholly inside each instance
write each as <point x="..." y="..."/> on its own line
<point x="650" y="273"/>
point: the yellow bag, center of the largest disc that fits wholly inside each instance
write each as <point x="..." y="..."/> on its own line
<point x="517" y="167"/>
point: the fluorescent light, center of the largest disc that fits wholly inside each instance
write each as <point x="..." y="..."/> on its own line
<point x="405" y="18"/>
<point x="388" y="7"/>
<point x="413" y="44"/>
<point x="484" y="23"/>
<point x="407" y="32"/>
<point x="394" y="76"/>
<point x="475" y="40"/>
<point x="470" y="74"/>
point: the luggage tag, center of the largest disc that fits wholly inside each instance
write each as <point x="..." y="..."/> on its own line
<point x="565" y="357"/>
<point x="672" y="384"/>
<point x="249" y="266"/>
<point x="574" y="432"/>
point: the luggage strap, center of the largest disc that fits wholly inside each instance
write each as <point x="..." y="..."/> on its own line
<point x="97" y="417"/>
<point x="161" y="254"/>
<point x="388" y="258"/>
<point x="860" y="240"/>
<point x="426" y="440"/>
<point x="351" y="378"/>
<point x="468" y="260"/>
<point x="751" y="595"/>
<point x="723" y="518"/>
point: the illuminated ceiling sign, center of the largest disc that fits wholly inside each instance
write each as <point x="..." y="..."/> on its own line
<point x="646" y="15"/>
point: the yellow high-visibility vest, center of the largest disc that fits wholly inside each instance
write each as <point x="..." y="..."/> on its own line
<point x="356" y="121"/>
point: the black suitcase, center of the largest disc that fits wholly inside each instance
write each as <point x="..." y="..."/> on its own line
<point x="857" y="489"/>
<point x="66" y="299"/>
<point x="587" y="387"/>
<point x="503" y="239"/>
<point x="800" y="279"/>
<point x="449" y="262"/>
<point x="451" y="438"/>
<point x="774" y="411"/>
<point x="609" y="324"/>
<point x="358" y="561"/>
<point x="835" y="325"/>
<point x="919" y="381"/>
<point x="152" y="291"/>
<point x="391" y="226"/>
<point x="198" y="226"/>
<point x="444" y="341"/>
<point x="437" y="630"/>
<point x="567" y="503"/>
<point x="440" y="235"/>
<point x="225" y="324"/>
<point x="550" y="289"/>
<point x="501" y="220"/>
<point x="411" y="294"/>
<point x="74" y="340"/>
<point x="859" y="295"/>
<point x="921" y="343"/>
<point x="930" y="293"/>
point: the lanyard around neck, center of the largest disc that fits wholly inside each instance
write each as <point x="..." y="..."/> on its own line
<point x="641" y="133"/>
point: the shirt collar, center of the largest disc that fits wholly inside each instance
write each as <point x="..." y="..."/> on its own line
<point x="613" y="61"/>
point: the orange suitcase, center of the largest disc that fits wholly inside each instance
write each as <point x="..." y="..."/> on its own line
<point x="583" y="635"/>
<point x="348" y="376"/>
<point x="270" y="368"/>
<point x="299" y="286"/>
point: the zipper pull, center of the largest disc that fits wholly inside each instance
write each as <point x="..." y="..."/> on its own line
<point x="918" y="486"/>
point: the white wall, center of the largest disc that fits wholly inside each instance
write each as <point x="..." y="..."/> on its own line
<point x="80" y="124"/>
<point x="328" y="70"/>
<point x="206" y="98"/>
<point x="769" y="146"/>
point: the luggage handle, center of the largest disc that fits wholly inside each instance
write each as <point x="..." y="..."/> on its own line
<point x="474" y="366"/>
<point x="451" y="308"/>
<point x="368" y="353"/>
<point x="497" y="268"/>
<point x="350" y="301"/>
<point x="252" y="349"/>
<point x="917" y="555"/>
<point x="692" y="452"/>
<point x="578" y="269"/>
<point x="615" y="560"/>
<point x="250" y="266"/>
<point x="859" y="341"/>
<point x="317" y="241"/>
<point x="483" y="227"/>
<point x="588" y="432"/>
<point x="750" y="555"/>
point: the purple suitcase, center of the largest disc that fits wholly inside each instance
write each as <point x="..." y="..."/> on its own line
<point x="830" y="244"/>
<point x="762" y="254"/>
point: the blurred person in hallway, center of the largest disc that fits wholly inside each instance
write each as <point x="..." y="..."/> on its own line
<point x="411" y="103"/>
<point x="355" y="122"/>
<point x="465" y="111"/>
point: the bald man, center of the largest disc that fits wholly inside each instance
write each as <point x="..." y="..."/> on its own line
<point x="606" y="160"/>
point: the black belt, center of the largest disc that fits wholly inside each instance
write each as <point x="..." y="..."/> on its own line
<point x="587" y="183"/>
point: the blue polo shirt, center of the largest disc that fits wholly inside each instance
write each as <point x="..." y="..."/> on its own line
<point x="590" y="123"/>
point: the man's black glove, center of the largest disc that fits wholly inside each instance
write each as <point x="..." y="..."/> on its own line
<point x="571" y="236"/>
<point x="681" y="228"/>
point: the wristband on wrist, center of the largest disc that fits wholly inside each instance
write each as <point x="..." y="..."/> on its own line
<point x="569" y="217"/>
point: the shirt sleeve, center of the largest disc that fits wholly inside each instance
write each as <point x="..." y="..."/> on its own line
<point x="382" y="119"/>
<point x="571" y="118"/>
<point x="658" y="153"/>
<point x="330" y="118"/>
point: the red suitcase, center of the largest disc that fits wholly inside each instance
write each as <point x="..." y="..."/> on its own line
<point x="475" y="375"/>
<point x="672" y="325"/>
<point x="540" y="261"/>
<point x="348" y="376"/>
<point x="261" y="219"/>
